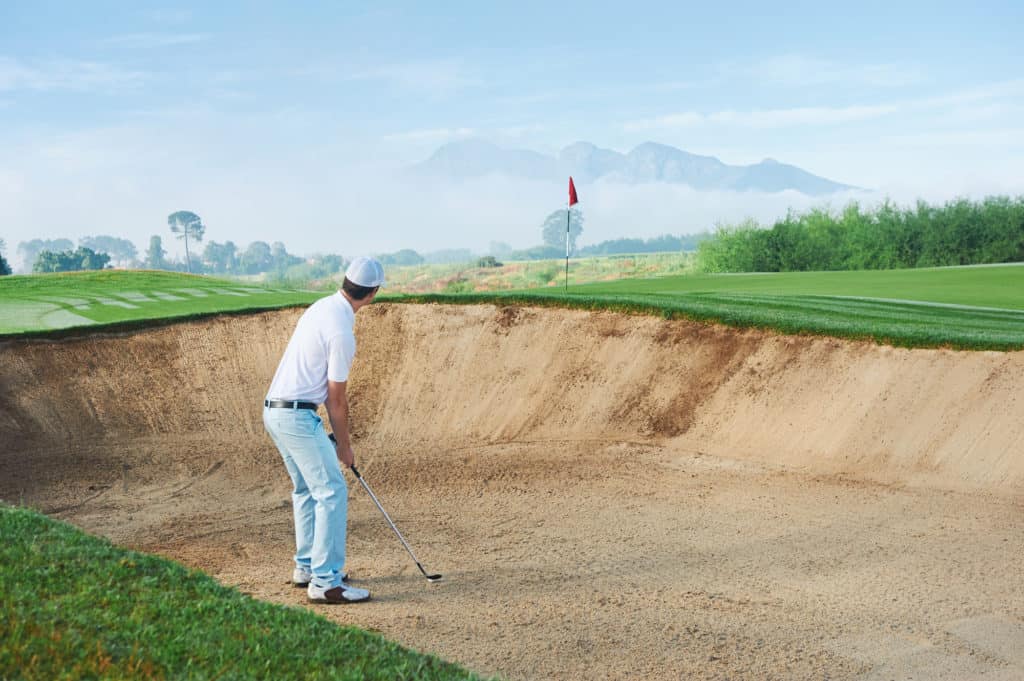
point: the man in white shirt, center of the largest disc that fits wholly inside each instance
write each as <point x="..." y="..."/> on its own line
<point x="314" y="370"/>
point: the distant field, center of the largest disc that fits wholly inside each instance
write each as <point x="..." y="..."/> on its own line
<point x="467" y="277"/>
<point x="42" y="302"/>
<point x="978" y="307"/>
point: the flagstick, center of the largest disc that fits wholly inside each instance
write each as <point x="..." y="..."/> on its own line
<point x="568" y="214"/>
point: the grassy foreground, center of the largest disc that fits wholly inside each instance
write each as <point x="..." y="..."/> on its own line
<point x="41" y="302"/>
<point x="76" y="607"/>
<point x="961" y="307"/>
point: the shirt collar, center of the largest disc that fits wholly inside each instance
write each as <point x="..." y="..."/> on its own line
<point x="345" y="305"/>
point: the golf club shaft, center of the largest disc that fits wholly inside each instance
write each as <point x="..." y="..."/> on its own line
<point x="359" y="477"/>
<point x="373" y="496"/>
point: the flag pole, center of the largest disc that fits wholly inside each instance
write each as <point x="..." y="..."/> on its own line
<point x="568" y="214"/>
<point x="568" y="220"/>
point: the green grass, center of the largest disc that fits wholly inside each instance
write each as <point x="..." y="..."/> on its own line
<point x="961" y="307"/>
<point x="43" y="302"/>
<point x="77" y="607"/>
<point x="1000" y="286"/>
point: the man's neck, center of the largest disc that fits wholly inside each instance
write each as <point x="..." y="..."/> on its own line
<point x="356" y="304"/>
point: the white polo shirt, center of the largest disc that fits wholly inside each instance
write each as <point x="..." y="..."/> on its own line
<point x="321" y="349"/>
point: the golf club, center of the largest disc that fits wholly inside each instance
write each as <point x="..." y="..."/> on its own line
<point x="359" y="477"/>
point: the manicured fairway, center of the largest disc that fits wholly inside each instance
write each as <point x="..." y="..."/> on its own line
<point x="55" y="301"/>
<point x="965" y="307"/>
<point x="1000" y="286"/>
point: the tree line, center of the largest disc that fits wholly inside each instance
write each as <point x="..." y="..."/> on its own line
<point x="98" y="252"/>
<point x="959" y="232"/>
<point x="60" y="255"/>
<point x="553" y="237"/>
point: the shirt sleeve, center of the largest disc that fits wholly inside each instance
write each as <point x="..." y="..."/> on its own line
<point x="341" y="349"/>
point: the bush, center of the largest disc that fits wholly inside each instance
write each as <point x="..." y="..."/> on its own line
<point x="538" y="253"/>
<point x="960" y="232"/>
<point x="70" y="261"/>
<point x="545" y="274"/>
<point x="488" y="261"/>
<point x="406" y="256"/>
<point x="459" y="285"/>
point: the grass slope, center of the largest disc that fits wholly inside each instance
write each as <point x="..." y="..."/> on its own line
<point x="961" y="307"/>
<point x="77" y="607"/>
<point x="1000" y="286"/>
<point x="42" y="302"/>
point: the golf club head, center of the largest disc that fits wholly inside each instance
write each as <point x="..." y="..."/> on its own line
<point x="430" y="578"/>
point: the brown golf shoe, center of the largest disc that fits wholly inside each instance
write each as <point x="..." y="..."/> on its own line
<point x="338" y="594"/>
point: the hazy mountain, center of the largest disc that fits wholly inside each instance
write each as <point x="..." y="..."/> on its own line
<point x="649" y="162"/>
<point x="473" y="158"/>
<point x="587" y="162"/>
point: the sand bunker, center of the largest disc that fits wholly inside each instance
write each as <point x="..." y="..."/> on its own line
<point x="608" y="496"/>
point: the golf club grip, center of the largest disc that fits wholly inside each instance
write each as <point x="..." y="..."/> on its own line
<point x="355" y="471"/>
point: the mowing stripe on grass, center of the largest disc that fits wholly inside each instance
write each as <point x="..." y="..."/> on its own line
<point x="908" y="324"/>
<point x="37" y="303"/>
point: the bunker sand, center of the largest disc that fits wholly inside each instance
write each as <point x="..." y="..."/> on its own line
<point x="608" y="496"/>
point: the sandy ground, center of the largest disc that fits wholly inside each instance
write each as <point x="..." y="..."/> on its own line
<point x="607" y="496"/>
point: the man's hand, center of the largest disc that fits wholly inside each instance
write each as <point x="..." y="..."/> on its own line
<point x="346" y="455"/>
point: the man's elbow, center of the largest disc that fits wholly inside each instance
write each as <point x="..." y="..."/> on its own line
<point x="336" y="392"/>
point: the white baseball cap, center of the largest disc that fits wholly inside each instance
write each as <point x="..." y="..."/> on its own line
<point x="366" y="272"/>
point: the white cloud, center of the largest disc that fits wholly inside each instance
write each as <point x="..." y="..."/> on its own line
<point x="1000" y="138"/>
<point x="65" y="74"/>
<point x="983" y="102"/>
<point x="766" y="118"/>
<point x="1006" y="89"/>
<point x="439" y="76"/>
<point x="150" y="40"/>
<point x="519" y="131"/>
<point x="168" y="15"/>
<point x="802" y="71"/>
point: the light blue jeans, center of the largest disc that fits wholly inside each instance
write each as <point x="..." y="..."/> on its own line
<point x="319" y="495"/>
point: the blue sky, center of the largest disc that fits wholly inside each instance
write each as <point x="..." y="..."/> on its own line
<point x="288" y="123"/>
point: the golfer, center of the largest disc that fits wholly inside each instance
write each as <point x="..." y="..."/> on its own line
<point x="313" y="371"/>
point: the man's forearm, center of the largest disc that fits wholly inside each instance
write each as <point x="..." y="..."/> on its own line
<point x="337" y="414"/>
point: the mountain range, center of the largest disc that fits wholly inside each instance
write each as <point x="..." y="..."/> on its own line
<point x="648" y="162"/>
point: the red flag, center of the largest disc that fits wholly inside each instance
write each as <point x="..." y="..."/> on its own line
<point x="572" y="193"/>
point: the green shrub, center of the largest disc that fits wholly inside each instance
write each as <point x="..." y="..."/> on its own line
<point x="960" y="232"/>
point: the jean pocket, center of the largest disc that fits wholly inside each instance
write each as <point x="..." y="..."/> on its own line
<point x="293" y="422"/>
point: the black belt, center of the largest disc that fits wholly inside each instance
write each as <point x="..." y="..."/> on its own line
<point x="281" y="404"/>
